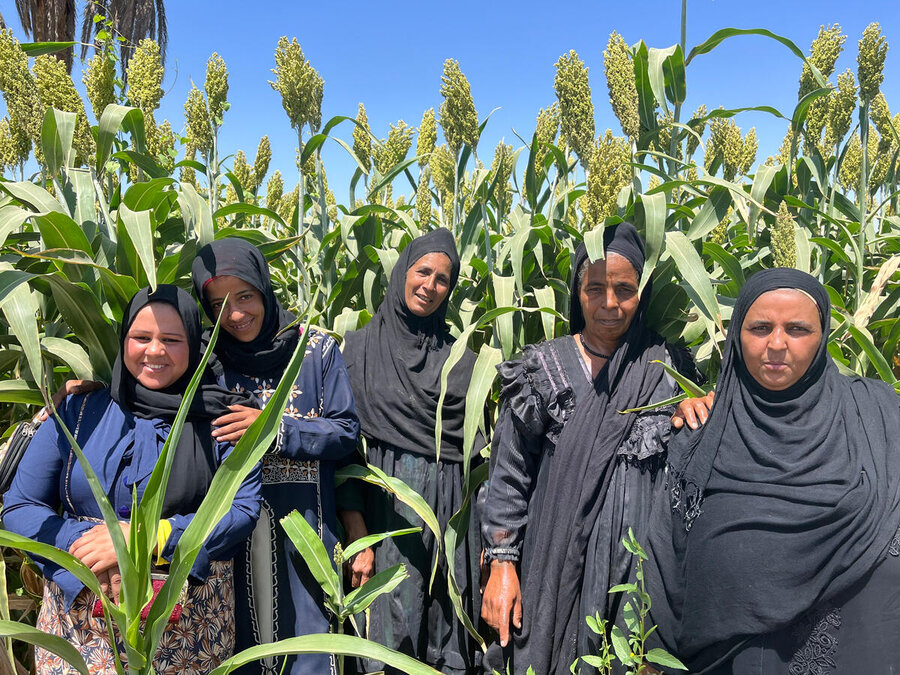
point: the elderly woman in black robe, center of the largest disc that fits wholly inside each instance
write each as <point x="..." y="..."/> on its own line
<point x="570" y="472"/>
<point x="778" y="550"/>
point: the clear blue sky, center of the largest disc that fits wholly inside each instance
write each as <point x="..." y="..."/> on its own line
<point x="389" y="55"/>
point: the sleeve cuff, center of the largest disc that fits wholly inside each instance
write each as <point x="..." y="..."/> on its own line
<point x="162" y="537"/>
<point x="504" y="554"/>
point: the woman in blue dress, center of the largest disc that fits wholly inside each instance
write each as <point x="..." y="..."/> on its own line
<point x="122" y="431"/>
<point x="277" y="596"/>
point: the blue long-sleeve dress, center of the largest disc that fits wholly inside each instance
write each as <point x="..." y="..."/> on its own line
<point x="277" y="596"/>
<point x="50" y="501"/>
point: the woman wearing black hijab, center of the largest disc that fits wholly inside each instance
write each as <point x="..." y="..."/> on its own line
<point x="122" y="431"/>
<point x="570" y="472"/>
<point x="278" y="596"/>
<point x="778" y="551"/>
<point x="395" y="365"/>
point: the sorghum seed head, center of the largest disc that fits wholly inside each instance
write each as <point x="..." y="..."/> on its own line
<point x="573" y="90"/>
<point x="620" y="81"/>
<point x="458" y="117"/>
<point x="216" y="87"/>
<point x="870" y="61"/>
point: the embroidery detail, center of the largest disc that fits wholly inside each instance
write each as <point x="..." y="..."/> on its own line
<point x="269" y="666"/>
<point x="816" y="656"/>
<point x="276" y="469"/>
<point x="894" y="549"/>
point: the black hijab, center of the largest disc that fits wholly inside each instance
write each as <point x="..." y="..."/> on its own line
<point x="268" y="354"/>
<point x="575" y="478"/>
<point x="195" y="461"/>
<point x="395" y="364"/>
<point x="780" y="501"/>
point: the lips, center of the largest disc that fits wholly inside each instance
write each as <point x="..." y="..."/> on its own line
<point x="244" y="325"/>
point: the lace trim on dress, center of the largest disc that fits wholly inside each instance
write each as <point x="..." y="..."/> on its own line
<point x="816" y="656"/>
<point x="649" y="436"/>
<point x="894" y="548"/>
<point x="685" y="499"/>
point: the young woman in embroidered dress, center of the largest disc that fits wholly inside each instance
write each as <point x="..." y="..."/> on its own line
<point x="277" y="595"/>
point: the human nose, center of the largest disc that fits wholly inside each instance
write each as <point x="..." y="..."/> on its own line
<point x="155" y="347"/>
<point x="610" y="299"/>
<point x="430" y="283"/>
<point x="777" y="340"/>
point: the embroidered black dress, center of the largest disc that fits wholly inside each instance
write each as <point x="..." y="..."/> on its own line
<point x="276" y="595"/>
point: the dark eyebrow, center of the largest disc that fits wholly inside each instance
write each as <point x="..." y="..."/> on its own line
<point x="800" y="324"/>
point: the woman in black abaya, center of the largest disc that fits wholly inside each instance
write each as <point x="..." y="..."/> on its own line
<point x="570" y="472"/>
<point x="395" y="365"/>
<point x="778" y="551"/>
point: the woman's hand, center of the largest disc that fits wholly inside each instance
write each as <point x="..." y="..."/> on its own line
<point x="233" y="425"/>
<point x="694" y="411"/>
<point x="70" y="388"/>
<point x="502" y="600"/>
<point x="362" y="567"/>
<point x="95" y="548"/>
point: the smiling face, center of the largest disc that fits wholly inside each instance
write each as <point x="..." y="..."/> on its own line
<point x="780" y="337"/>
<point x="156" y="350"/>
<point x="609" y="300"/>
<point x="244" y="309"/>
<point x="427" y="283"/>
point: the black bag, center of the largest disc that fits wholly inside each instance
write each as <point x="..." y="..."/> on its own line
<point x="13" y="451"/>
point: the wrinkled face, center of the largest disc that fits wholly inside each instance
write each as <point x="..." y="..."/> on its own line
<point x="427" y="283"/>
<point x="609" y="298"/>
<point x="780" y="337"/>
<point x="156" y="350"/>
<point x="244" y="309"/>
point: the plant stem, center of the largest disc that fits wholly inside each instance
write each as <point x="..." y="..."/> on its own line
<point x="862" y="195"/>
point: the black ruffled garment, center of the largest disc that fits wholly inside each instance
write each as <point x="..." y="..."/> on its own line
<point x="539" y="394"/>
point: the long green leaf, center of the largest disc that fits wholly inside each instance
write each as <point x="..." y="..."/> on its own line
<point x="483" y="375"/>
<point x="370" y="540"/>
<point x="70" y="353"/>
<point x="720" y="36"/>
<point x="114" y="118"/>
<point x="654" y="232"/>
<point x="329" y="643"/>
<point x="140" y="229"/>
<point x="17" y="391"/>
<point x="82" y="313"/>
<point x="309" y="544"/>
<point x="400" y="490"/>
<point x="385" y="581"/>
<point x="52" y="643"/>
<point x="246" y="454"/>
<point x="697" y="283"/>
<point x="57" y="132"/>
<point x="20" y="309"/>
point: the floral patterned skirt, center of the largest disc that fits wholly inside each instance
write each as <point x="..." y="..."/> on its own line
<point x="198" y="642"/>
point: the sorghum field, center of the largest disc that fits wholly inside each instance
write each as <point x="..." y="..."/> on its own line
<point x="121" y="199"/>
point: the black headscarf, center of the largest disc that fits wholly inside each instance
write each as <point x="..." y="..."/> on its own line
<point x="782" y="500"/>
<point x="268" y="354"/>
<point x="575" y="478"/>
<point x="195" y="461"/>
<point x="395" y="364"/>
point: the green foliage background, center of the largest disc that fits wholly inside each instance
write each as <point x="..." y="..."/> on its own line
<point x="117" y="205"/>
